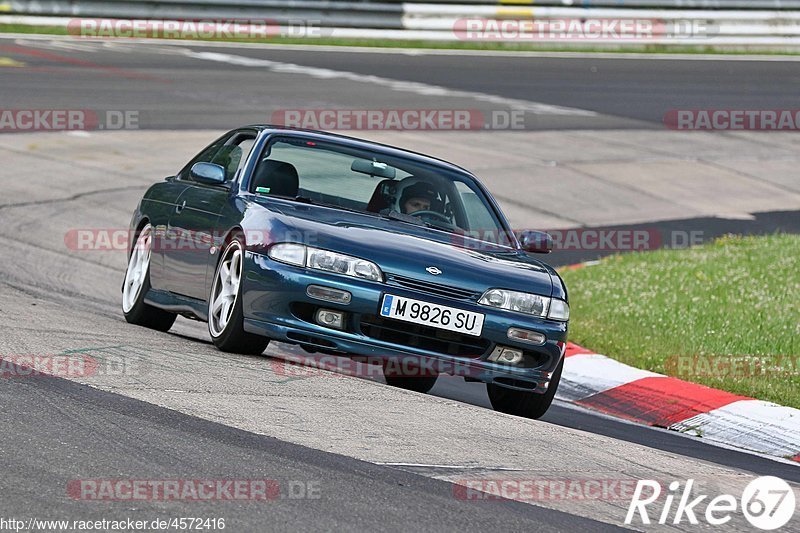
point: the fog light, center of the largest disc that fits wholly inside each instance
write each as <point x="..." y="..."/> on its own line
<point x="329" y="294"/>
<point x="506" y="355"/>
<point x="330" y="318"/>
<point x="524" y="335"/>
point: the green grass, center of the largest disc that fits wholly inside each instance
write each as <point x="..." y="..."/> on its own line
<point x="736" y="300"/>
<point x="443" y="45"/>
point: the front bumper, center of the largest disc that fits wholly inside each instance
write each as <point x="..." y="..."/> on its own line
<point x="276" y="306"/>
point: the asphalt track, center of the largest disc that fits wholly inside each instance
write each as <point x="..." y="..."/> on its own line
<point x="190" y="412"/>
<point x="137" y="440"/>
<point x="175" y="86"/>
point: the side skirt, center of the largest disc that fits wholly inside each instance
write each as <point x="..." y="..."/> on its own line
<point x="183" y="305"/>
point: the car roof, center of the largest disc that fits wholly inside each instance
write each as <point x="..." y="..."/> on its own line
<point x="362" y="143"/>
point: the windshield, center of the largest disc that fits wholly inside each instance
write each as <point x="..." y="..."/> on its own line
<point x="340" y="176"/>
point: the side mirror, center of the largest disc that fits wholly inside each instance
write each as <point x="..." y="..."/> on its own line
<point x="208" y="173"/>
<point x="538" y="242"/>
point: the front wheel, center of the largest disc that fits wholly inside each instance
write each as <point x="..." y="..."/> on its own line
<point x="524" y="403"/>
<point x="225" y="310"/>
<point x="136" y="285"/>
<point x="421" y="384"/>
<point x="419" y="381"/>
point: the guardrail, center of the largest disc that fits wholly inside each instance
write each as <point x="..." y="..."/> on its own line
<point x="327" y="13"/>
<point x="675" y="22"/>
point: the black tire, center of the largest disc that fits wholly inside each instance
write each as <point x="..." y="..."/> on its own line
<point x="417" y="383"/>
<point x="523" y="403"/>
<point x="232" y="337"/>
<point x="140" y="313"/>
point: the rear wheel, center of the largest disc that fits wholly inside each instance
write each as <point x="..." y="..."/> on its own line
<point x="524" y="403"/>
<point x="225" y="310"/>
<point x="137" y="283"/>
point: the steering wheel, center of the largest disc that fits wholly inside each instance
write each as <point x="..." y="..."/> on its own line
<point x="432" y="214"/>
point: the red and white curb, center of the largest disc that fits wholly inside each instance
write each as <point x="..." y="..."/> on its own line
<point x="600" y="383"/>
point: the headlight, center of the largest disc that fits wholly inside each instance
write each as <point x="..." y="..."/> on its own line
<point x="343" y="264"/>
<point x="559" y="310"/>
<point x="302" y="255"/>
<point x="523" y="302"/>
<point x="294" y="254"/>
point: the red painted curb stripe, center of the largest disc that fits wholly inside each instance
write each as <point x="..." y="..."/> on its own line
<point x="21" y="50"/>
<point x="574" y="349"/>
<point x="796" y="458"/>
<point x="659" y="401"/>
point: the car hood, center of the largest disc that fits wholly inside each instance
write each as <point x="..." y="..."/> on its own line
<point x="403" y="249"/>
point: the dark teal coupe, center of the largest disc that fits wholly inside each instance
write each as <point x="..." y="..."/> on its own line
<point x="353" y="248"/>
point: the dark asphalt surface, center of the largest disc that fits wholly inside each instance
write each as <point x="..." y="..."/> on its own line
<point x="171" y="90"/>
<point x="475" y="394"/>
<point x="75" y="432"/>
<point x="79" y="433"/>
<point x="641" y="89"/>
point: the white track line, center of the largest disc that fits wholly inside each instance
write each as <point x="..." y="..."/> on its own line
<point x="423" y="89"/>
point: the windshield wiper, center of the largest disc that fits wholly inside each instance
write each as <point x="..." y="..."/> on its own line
<point x="402" y="217"/>
<point x="411" y="219"/>
<point x="307" y="200"/>
<point x="391" y="215"/>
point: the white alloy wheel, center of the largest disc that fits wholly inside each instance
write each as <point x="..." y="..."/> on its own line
<point x="137" y="268"/>
<point x="226" y="289"/>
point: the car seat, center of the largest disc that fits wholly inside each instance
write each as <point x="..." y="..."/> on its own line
<point x="277" y="176"/>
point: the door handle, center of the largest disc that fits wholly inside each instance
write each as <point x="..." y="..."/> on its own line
<point x="179" y="208"/>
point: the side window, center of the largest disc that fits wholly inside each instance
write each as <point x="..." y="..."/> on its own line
<point x="206" y="156"/>
<point x="230" y="152"/>
<point x="478" y="217"/>
<point x="233" y="155"/>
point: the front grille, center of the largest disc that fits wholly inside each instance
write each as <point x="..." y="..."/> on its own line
<point x="423" y="337"/>
<point x="436" y="289"/>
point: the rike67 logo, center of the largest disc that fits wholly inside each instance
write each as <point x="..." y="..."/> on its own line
<point x="767" y="502"/>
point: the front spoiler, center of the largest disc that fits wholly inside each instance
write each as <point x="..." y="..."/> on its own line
<point x="344" y="344"/>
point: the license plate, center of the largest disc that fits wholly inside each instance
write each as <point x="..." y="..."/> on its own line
<point x="433" y="315"/>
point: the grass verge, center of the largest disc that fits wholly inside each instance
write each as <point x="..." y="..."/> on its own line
<point x="725" y="314"/>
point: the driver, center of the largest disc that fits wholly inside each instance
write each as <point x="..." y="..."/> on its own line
<point x="417" y="197"/>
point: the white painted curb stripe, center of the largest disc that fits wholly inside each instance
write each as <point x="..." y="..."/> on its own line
<point x="588" y="374"/>
<point x="751" y="424"/>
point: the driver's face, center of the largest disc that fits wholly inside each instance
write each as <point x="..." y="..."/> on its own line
<point x="413" y="205"/>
